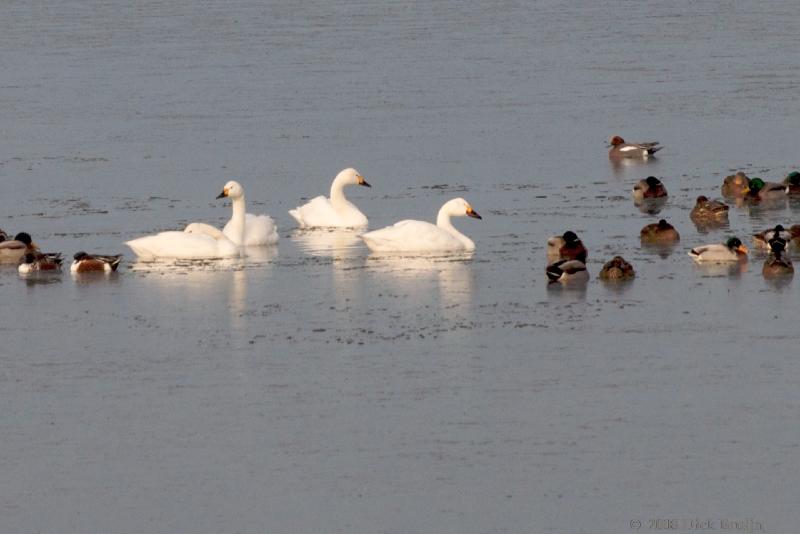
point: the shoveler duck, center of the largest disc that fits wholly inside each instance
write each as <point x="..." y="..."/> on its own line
<point x="660" y="233"/>
<point x="621" y="149"/>
<point x="761" y="240"/>
<point x="709" y="210"/>
<point x="758" y="189"/>
<point x="776" y="263"/>
<point x="617" y="269"/>
<point x="731" y="250"/>
<point x="37" y="261"/>
<point x="792" y="183"/>
<point x="12" y="251"/>
<point x="735" y="185"/>
<point x="650" y="187"/>
<point x="567" y="271"/>
<point x="84" y="262"/>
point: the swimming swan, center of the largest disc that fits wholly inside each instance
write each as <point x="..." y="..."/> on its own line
<point x="336" y="211"/>
<point x="199" y="241"/>
<point x="259" y="230"/>
<point x="420" y="236"/>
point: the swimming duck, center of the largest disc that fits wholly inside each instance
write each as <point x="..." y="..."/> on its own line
<point x="36" y="261"/>
<point x="12" y="251"/>
<point x="84" y="262"/>
<point x="776" y="263"/>
<point x="572" y="248"/>
<point x="731" y="250"/>
<point x="650" y="187"/>
<point x="3" y="235"/>
<point x="758" y="189"/>
<point x="709" y="210"/>
<point x="422" y="236"/>
<point x="660" y="233"/>
<point x="567" y="271"/>
<point x="621" y="149"/>
<point x="735" y="185"/>
<point x="336" y="211"/>
<point x="617" y="269"/>
<point x="761" y="240"/>
<point x="792" y="183"/>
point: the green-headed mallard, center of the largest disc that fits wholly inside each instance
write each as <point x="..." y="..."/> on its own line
<point x="650" y="187"/>
<point x="792" y="183"/>
<point x="761" y="240"/>
<point x="567" y="271"/>
<point x="13" y="250"/>
<point x="758" y="189"/>
<point x="731" y="250"/>
<point x="777" y="264"/>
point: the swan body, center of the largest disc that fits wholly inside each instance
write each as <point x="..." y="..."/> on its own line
<point x="246" y="229"/>
<point x="731" y="250"/>
<point x="198" y="241"/>
<point x="421" y="236"/>
<point x="335" y="211"/>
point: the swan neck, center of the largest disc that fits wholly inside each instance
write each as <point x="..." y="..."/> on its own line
<point x="238" y="217"/>
<point x="338" y="199"/>
<point x="443" y="222"/>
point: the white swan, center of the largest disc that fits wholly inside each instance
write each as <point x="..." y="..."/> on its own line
<point x="259" y="230"/>
<point x="336" y="211"/>
<point x="420" y="236"/>
<point x="198" y="241"/>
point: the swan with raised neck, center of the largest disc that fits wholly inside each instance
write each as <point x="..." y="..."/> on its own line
<point x="335" y="211"/>
<point x="457" y="207"/>
<point x="235" y="229"/>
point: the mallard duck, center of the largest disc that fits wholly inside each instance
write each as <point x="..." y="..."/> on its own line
<point x="735" y="185"/>
<point x="38" y="261"/>
<point x="3" y="235"/>
<point x="650" y="187"/>
<point x="709" y="210"/>
<point x="617" y="269"/>
<point x="84" y="262"/>
<point x="660" y="233"/>
<point x="792" y="183"/>
<point x="761" y="240"/>
<point x="567" y="271"/>
<point x="731" y="250"/>
<point x="12" y="251"/>
<point x="758" y="189"/>
<point x="573" y="248"/>
<point x="621" y="149"/>
<point x="776" y="263"/>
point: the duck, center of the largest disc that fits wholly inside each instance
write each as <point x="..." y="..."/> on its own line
<point x="567" y="271"/>
<point x="83" y="262"/>
<point x="38" y="262"/>
<point x="421" y="236"/>
<point x="336" y="211"/>
<point x="259" y="230"/>
<point x="617" y="269"/>
<point x="572" y="247"/>
<point x="650" y="187"/>
<point x="621" y="149"/>
<point x="709" y="210"/>
<point x="761" y="240"/>
<point x="776" y="263"/>
<point x="735" y="185"/>
<point x="792" y="183"/>
<point x="3" y="235"/>
<point x="198" y="241"/>
<point x="13" y="250"/>
<point x="758" y="189"/>
<point x="731" y="250"/>
<point x="660" y="233"/>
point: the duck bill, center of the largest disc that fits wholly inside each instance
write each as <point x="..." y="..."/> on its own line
<point x="741" y="249"/>
<point x="362" y="181"/>
<point x="474" y="214"/>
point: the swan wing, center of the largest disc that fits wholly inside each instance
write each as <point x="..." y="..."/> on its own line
<point x="411" y="236"/>
<point x="259" y="230"/>
<point x="182" y="245"/>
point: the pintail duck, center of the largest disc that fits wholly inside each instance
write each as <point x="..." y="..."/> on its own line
<point x="660" y="233"/>
<point x="650" y="187"/>
<point x="37" y="261"/>
<point x="621" y="149"/>
<point x="731" y="250"/>
<point x="776" y="263"/>
<point x="12" y="251"/>
<point x="567" y="271"/>
<point x="617" y="269"/>
<point x="84" y="262"/>
<point x="735" y="185"/>
<point x="709" y="210"/>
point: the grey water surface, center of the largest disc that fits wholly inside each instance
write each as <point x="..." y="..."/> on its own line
<point x="317" y="388"/>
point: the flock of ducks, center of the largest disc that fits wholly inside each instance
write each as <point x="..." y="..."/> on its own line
<point x="566" y="254"/>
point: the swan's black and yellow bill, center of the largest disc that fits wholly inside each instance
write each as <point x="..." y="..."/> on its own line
<point x="224" y="193"/>
<point x="472" y="213"/>
<point x="361" y="181"/>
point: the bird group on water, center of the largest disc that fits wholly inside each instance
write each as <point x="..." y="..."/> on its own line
<point x="566" y="253"/>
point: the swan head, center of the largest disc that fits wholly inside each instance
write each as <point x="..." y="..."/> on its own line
<point x="460" y="207"/>
<point x="352" y="176"/>
<point x="232" y="189"/>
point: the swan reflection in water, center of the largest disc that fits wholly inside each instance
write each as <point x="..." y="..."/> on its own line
<point x="329" y="243"/>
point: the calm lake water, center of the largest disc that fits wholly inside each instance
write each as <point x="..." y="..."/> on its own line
<point x="318" y="388"/>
